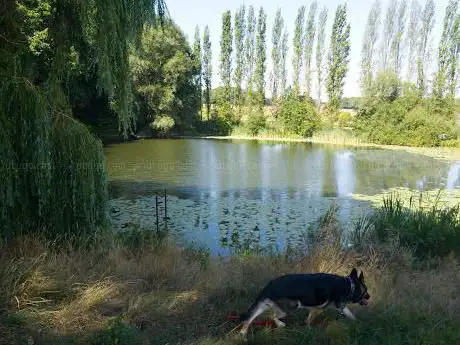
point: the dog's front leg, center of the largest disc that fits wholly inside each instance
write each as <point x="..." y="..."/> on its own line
<point x="347" y="312"/>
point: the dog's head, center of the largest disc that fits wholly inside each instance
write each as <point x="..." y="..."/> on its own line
<point x="360" y="295"/>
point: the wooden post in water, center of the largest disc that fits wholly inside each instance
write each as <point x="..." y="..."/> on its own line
<point x="166" y="213"/>
<point x="156" y="208"/>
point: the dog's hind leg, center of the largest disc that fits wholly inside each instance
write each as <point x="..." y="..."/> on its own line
<point x="255" y="312"/>
<point x="278" y="313"/>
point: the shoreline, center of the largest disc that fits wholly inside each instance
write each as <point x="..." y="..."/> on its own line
<point x="441" y="153"/>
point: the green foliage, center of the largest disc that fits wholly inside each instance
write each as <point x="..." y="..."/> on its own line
<point x="344" y="119"/>
<point x="261" y="56"/>
<point x="240" y="33"/>
<point x="78" y="207"/>
<point x="227" y="115"/>
<point x="256" y="122"/>
<point x="448" y="53"/>
<point x="406" y="121"/>
<point x="298" y="116"/>
<point x="53" y="179"/>
<point x="298" y="48"/>
<point x="163" y="124"/>
<point x="320" y="49"/>
<point x="386" y="87"/>
<point x="277" y="54"/>
<point x="413" y="32"/>
<point x="426" y="27"/>
<point x="310" y="32"/>
<point x="283" y="63"/>
<point x="431" y="232"/>
<point x="207" y="70"/>
<point x="117" y="332"/>
<point x="368" y="50"/>
<point x="216" y="125"/>
<point x="338" y="56"/>
<point x="250" y="51"/>
<point x="165" y="75"/>
<point x="197" y="58"/>
<point x="226" y="54"/>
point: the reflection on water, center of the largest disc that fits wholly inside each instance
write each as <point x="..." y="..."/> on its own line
<point x="453" y="176"/>
<point x="245" y="194"/>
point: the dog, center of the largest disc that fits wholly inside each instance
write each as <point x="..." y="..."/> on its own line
<point x="313" y="291"/>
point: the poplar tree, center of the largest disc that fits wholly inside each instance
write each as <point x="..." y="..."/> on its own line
<point x="396" y="48"/>
<point x="413" y="34"/>
<point x="250" y="51"/>
<point x="389" y="26"/>
<point x="371" y="35"/>
<point x="448" y="52"/>
<point x="320" y="51"/>
<point x="339" y="52"/>
<point x="309" y="42"/>
<point x="197" y="60"/>
<point x="454" y="66"/>
<point x="240" y="31"/>
<point x="277" y="54"/>
<point x="261" y="55"/>
<point x="427" y="24"/>
<point x="284" y="53"/>
<point x="298" y="48"/>
<point x="226" y="55"/>
<point x="207" y="70"/>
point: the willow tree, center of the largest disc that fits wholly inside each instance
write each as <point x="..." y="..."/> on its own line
<point x="54" y="179"/>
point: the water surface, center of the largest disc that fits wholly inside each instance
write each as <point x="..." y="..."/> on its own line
<point x="244" y="194"/>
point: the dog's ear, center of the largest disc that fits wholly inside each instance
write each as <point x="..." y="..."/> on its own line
<point x="354" y="273"/>
<point x="361" y="277"/>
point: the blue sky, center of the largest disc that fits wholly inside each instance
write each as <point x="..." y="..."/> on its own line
<point x="189" y="13"/>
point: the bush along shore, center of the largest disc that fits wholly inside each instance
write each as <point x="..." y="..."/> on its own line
<point x="140" y="288"/>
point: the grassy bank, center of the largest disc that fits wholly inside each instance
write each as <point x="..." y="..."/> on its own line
<point x="341" y="137"/>
<point x="151" y="292"/>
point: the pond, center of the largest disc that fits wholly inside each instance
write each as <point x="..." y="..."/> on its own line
<point x="228" y="195"/>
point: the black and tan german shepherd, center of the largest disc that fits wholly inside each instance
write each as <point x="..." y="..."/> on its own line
<point x="314" y="291"/>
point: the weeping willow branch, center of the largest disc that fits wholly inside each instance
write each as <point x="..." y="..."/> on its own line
<point x="53" y="178"/>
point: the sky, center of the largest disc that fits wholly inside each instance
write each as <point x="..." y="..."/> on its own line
<point x="190" y="13"/>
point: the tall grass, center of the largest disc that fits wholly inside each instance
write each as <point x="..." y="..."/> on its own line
<point x="152" y="292"/>
<point x="428" y="232"/>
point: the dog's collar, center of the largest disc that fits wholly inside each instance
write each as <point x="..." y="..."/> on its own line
<point x="352" y="287"/>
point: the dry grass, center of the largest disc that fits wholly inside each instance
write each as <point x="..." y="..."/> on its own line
<point x="167" y="295"/>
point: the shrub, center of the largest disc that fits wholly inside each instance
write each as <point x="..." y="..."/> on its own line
<point x="163" y="124"/>
<point x="298" y="116"/>
<point x="407" y="121"/>
<point x="345" y="119"/>
<point x="386" y="87"/>
<point x="256" y="122"/>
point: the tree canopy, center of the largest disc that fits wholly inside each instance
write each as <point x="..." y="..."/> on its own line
<point x="53" y="179"/>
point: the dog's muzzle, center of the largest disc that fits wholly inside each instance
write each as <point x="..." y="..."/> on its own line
<point x="365" y="299"/>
